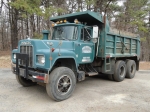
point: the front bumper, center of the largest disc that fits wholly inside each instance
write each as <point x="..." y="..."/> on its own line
<point x="32" y="75"/>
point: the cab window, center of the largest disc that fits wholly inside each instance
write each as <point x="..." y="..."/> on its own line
<point x="85" y="34"/>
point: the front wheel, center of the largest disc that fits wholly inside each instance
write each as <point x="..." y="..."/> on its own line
<point x="24" y="82"/>
<point x="62" y="82"/>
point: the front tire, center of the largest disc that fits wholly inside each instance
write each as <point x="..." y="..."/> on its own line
<point x="62" y="82"/>
<point x="120" y="71"/>
<point x="131" y="69"/>
<point x="24" y="82"/>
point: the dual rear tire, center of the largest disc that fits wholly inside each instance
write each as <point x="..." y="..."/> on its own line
<point x="120" y="71"/>
<point x="131" y="69"/>
<point x="123" y="70"/>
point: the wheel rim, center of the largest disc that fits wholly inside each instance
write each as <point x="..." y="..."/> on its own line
<point x="122" y="71"/>
<point x="64" y="84"/>
<point x="132" y="68"/>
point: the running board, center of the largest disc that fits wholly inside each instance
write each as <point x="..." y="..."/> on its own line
<point x="92" y="73"/>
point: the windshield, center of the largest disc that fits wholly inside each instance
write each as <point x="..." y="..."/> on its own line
<point x="65" y="33"/>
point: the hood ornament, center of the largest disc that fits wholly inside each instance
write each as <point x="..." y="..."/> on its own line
<point x="50" y="43"/>
<point x="27" y="37"/>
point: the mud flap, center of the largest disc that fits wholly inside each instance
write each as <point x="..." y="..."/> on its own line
<point x="81" y="75"/>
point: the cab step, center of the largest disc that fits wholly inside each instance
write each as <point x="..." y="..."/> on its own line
<point x="92" y="73"/>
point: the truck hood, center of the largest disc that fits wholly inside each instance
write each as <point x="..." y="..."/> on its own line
<point x="47" y="44"/>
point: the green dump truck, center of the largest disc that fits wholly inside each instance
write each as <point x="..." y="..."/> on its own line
<point x="81" y="45"/>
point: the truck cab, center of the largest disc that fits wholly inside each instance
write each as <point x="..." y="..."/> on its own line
<point x="80" y="45"/>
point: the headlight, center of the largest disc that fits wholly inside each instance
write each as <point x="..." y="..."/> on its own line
<point x="14" y="56"/>
<point x="41" y="59"/>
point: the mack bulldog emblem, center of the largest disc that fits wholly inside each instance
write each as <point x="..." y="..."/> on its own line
<point x="26" y="43"/>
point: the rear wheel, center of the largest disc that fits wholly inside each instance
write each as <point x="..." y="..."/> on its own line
<point x="24" y="82"/>
<point x="120" y="71"/>
<point x="62" y="82"/>
<point x="131" y="69"/>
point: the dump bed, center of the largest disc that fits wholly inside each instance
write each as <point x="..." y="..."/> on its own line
<point x="114" y="45"/>
<point x="109" y="44"/>
<point x="88" y="17"/>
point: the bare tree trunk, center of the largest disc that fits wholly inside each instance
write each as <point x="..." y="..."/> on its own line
<point x="13" y="19"/>
<point x="38" y="25"/>
<point x="22" y="31"/>
<point x="14" y="28"/>
<point x="33" y="30"/>
<point x="27" y="27"/>
<point x="2" y="37"/>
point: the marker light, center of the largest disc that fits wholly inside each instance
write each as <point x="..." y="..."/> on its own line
<point x="76" y="21"/>
<point x="52" y="49"/>
<point x="57" y="22"/>
<point x="65" y="21"/>
<point x="53" y="24"/>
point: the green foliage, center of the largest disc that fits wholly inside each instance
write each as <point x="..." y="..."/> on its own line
<point x="143" y="39"/>
<point x="90" y="2"/>
<point x="37" y="35"/>
<point x="30" y="7"/>
<point x="47" y="12"/>
<point x="140" y="25"/>
<point x="115" y="7"/>
<point x="134" y="14"/>
<point x="27" y="6"/>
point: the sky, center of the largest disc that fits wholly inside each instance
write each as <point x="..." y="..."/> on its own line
<point x="121" y="2"/>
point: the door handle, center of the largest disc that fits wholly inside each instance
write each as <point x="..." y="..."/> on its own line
<point x="78" y="44"/>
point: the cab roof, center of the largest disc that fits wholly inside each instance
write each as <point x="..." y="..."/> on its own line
<point x="88" y="17"/>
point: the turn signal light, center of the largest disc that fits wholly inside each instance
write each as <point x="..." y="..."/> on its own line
<point x="53" y="24"/>
<point x="57" y="22"/>
<point x="76" y="21"/>
<point x="52" y="49"/>
<point x="65" y="21"/>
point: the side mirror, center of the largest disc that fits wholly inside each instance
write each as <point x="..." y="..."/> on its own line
<point x="95" y="32"/>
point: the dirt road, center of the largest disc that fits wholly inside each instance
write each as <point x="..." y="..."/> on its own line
<point x="95" y="94"/>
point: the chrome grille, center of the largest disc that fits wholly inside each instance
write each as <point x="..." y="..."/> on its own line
<point x="27" y="50"/>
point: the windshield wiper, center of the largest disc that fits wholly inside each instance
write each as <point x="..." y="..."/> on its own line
<point x="56" y="39"/>
<point x="65" y="39"/>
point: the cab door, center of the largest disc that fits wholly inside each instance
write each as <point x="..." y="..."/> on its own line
<point x="85" y="48"/>
<point x="86" y="52"/>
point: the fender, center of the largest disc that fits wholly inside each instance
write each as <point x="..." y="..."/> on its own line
<point x="63" y="54"/>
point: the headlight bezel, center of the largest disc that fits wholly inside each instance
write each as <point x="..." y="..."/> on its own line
<point x="40" y="59"/>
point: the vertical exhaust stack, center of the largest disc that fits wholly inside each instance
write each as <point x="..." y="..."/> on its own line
<point x="45" y="34"/>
